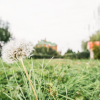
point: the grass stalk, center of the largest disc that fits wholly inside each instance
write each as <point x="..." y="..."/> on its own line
<point x="29" y="79"/>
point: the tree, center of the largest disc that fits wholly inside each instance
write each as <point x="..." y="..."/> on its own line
<point x="69" y="51"/>
<point x="93" y="38"/>
<point x="5" y="35"/>
<point x="84" y="45"/>
<point x="96" y="51"/>
<point x="40" y="50"/>
<point x="44" y="52"/>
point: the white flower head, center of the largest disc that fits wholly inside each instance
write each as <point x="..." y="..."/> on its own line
<point x="14" y="49"/>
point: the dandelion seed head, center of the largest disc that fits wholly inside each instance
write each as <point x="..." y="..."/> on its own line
<point x="14" y="49"/>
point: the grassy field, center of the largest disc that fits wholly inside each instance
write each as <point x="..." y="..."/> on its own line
<point x="56" y="79"/>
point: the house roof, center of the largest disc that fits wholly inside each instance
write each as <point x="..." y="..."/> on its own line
<point x="91" y="44"/>
<point x="45" y="42"/>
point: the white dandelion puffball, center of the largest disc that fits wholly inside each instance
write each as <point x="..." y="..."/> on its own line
<point x="14" y="49"/>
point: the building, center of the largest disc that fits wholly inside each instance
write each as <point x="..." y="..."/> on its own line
<point x="90" y="47"/>
<point x="46" y="44"/>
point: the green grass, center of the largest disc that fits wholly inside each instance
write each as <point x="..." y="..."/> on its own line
<point x="58" y="79"/>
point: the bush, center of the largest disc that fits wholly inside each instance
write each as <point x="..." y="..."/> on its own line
<point x="44" y="52"/>
<point x="42" y="56"/>
<point x="69" y="51"/>
<point x="79" y="55"/>
<point x="70" y="56"/>
<point x="83" y="55"/>
<point x="96" y="51"/>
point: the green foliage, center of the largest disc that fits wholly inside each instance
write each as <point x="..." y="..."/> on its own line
<point x="44" y="52"/>
<point x="96" y="51"/>
<point x="84" y="45"/>
<point x="69" y="51"/>
<point x="94" y="37"/>
<point x="5" y="35"/>
<point x="79" y="55"/>
<point x="0" y="53"/>
<point x="56" y="80"/>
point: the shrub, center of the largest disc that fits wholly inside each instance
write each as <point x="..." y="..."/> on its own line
<point x="69" y="51"/>
<point x="96" y="51"/>
<point x="83" y="55"/>
<point x="44" y="52"/>
<point x="70" y="56"/>
<point x="79" y="55"/>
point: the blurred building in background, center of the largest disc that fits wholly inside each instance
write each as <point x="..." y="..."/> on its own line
<point x="46" y="44"/>
<point x="90" y="47"/>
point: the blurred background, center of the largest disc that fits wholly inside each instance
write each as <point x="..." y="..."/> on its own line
<point x="62" y="25"/>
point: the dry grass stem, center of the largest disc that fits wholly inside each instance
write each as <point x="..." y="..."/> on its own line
<point x="29" y="79"/>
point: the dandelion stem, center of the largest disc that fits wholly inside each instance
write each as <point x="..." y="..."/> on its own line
<point x="29" y="79"/>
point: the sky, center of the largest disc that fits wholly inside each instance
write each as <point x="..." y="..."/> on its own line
<point x="64" y="22"/>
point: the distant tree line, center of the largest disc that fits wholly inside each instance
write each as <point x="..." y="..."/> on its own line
<point x="80" y="55"/>
<point x="44" y="52"/>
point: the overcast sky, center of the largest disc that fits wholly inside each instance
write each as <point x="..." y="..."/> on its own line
<point x="64" y="22"/>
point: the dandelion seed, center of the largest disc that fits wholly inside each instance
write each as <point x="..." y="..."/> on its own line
<point x="14" y="49"/>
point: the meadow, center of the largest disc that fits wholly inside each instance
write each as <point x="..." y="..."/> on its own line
<point x="53" y="79"/>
